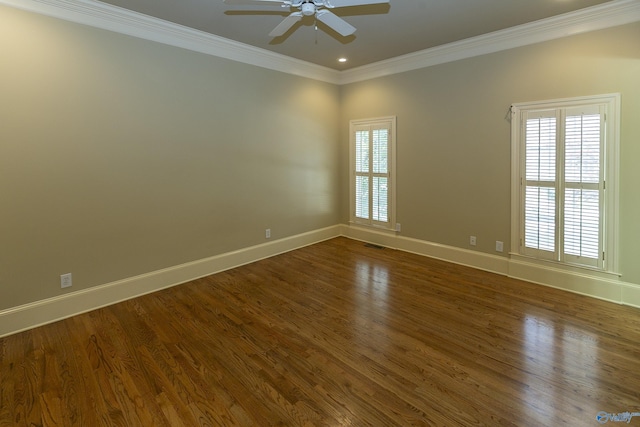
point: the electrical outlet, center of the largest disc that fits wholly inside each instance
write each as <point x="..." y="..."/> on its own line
<point x="398" y="227"/>
<point x="267" y="233"/>
<point x="499" y="246"/>
<point x="65" y="280"/>
<point x="472" y="240"/>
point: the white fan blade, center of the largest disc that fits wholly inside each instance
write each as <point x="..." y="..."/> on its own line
<point x="286" y="24"/>
<point x="336" y="23"/>
<point x="259" y="2"/>
<point x="347" y="3"/>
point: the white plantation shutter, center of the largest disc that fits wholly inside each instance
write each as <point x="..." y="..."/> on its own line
<point x="584" y="187"/>
<point x="372" y="154"/>
<point x="362" y="153"/>
<point x="380" y="174"/>
<point x="540" y="190"/>
<point x="563" y="183"/>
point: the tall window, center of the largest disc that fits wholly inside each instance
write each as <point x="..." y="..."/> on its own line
<point x="372" y="171"/>
<point x="565" y="175"/>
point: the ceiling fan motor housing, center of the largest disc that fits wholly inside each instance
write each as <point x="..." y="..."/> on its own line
<point x="308" y="9"/>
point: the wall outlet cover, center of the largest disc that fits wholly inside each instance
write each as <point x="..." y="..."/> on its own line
<point x="66" y="280"/>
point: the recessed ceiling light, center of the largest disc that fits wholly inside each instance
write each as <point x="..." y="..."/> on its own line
<point x="342" y="59"/>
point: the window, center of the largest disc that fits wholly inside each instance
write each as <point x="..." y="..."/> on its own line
<point x="564" y="191"/>
<point x="372" y="148"/>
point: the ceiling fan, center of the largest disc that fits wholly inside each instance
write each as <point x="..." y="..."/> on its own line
<point x="317" y="8"/>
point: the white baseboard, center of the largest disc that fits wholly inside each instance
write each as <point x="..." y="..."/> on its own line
<point x="17" y="319"/>
<point x="606" y="288"/>
<point x="38" y="313"/>
<point x="580" y="283"/>
<point x="630" y="294"/>
<point x="475" y="259"/>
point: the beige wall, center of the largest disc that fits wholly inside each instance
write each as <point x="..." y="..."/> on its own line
<point x="120" y="156"/>
<point x="453" y="176"/>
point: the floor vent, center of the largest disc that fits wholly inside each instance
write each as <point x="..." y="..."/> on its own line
<point x="371" y="245"/>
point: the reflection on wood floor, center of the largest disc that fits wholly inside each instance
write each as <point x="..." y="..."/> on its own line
<point x="334" y="334"/>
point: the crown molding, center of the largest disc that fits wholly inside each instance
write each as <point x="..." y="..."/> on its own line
<point x="101" y="15"/>
<point x="606" y="15"/>
<point x="108" y="17"/>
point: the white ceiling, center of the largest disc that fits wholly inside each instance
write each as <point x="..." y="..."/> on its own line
<point x="383" y="31"/>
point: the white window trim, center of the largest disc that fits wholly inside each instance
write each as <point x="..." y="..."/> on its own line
<point x="612" y="163"/>
<point x="391" y="120"/>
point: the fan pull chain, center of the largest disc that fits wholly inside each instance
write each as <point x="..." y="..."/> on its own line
<point x="315" y="24"/>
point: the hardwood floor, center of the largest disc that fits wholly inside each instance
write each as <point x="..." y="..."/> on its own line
<point x="335" y="334"/>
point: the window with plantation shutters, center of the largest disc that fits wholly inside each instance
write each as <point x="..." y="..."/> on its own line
<point x="565" y="174"/>
<point x="372" y="180"/>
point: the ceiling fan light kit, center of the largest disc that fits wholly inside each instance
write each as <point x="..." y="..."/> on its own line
<point x="317" y="8"/>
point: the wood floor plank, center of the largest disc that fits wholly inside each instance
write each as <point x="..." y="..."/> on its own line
<point x="23" y="371"/>
<point x="334" y="334"/>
